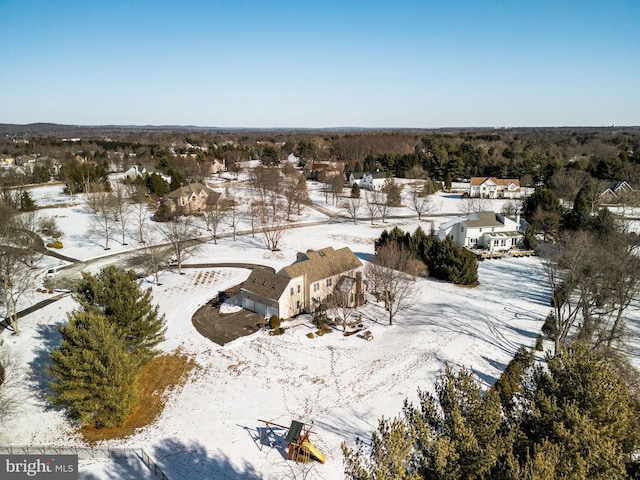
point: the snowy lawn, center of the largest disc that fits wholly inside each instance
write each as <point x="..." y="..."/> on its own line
<point x="210" y="427"/>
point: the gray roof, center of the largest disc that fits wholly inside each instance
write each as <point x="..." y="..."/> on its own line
<point x="483" y="219"/>
<point x="188" y="190"/>
<point x="266" y="284"/>
<point x="323" y="263"/>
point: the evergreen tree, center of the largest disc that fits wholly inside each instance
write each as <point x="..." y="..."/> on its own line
<point x="582" y="407"/>
<point x="116" y="294"/>
<point x="177" y="180"/>
<point x="542" y="200"/>
<point x="392" y="190"/>
<point x="572" y="419"/>
<point x="157" y="185"/>
<point x="27" y="203"/>
<point x="355" y="191"/>
<point x="93" y="372"/>
<point x="446" y="261"/>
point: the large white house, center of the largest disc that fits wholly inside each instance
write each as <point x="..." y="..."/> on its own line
<point x="491" y="187"/>
<point x="483" y="230"/>
<point x="368" y="180"/>
<point x="303" y="285"/>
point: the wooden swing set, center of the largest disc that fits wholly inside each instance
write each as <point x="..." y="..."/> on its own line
<point x="299" y="447"/>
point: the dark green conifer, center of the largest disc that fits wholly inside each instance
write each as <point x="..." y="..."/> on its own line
<point x="93" y="372"/>
<point x="115" y="293"/>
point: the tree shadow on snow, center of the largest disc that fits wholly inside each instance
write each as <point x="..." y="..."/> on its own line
<point x="48" y="337"/>
<point x="178" y="459"/>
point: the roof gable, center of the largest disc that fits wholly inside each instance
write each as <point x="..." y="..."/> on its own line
<point x="266" y="284"/>
<point x="189" y="189"/>
<point x="323" y="263"/>
<point x="493" y="181"/>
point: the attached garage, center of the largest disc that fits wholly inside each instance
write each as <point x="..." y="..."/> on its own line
<point x="262" y="291"/>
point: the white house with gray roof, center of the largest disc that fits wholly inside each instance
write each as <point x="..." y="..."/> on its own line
<point x="483" y="230"/>
<point x="303" y="285"/>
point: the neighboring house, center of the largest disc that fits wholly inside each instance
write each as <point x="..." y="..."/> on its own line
<point x="491" y="187"/>
<point x="318" y="170"/>
<point x="368" y="180"/>
<point x="191" y="198"/>
<point x="141" y="171"/>
<point x="483" y="230"/>
<point x="614" y="191"/>
<point x="213" y="167"/>
<point x="303" y="285"/>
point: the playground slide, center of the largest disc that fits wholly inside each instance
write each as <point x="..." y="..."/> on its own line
<point x="310" y="448"/>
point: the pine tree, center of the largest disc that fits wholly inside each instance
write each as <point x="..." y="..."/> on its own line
<point x="116" y="294"/>
<point x="580" y="404"/>
<point x="572" y="419"/>
<point x="355" y="191"/>
<point x="27" y="203"/>
<point x="93" y="372"/>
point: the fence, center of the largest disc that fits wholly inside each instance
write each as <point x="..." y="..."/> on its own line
<point x="87" y="453"/>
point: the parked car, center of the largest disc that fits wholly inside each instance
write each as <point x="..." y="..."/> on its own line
<point x="53" y="272"/>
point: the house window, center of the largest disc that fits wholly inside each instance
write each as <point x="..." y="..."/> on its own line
<point x="481" y="230"/>
<point x="514" y="241"/>
<point x="316" y="286"/>
<point x="291" y="290"/>
<point x="298" y="305"/>
<point x="329" y="281"/>
<point x="298" y="288"/>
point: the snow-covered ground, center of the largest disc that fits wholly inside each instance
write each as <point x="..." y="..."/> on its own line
<point x="210" y="428"/>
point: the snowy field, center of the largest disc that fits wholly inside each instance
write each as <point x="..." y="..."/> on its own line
<point x="210" y="429"/>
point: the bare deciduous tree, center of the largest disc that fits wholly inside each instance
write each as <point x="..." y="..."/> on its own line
<point x="384" y="207"/>
<point x="232" y="203"/>
<point x="154" y="255"/>
<point x="121" y="209"/>
<point x="17" y="256"/>
<point x="474" y="204"/>
<point x="180" y="234"/>
<point x="214" y="214"/>
<point x="141" y="213"/>
<point x="391" y="275"/>
<point x="418" y="202"/>
<point x="352" y="207"/>
<point x="102" y="204"/>
<point x="273" y="224"/>
<point x="371" y="204"/>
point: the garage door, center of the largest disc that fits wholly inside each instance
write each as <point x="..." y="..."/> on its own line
<point x="272" y="311"/>
<point x="248" y="303"/>
<point x="259" y="308"/>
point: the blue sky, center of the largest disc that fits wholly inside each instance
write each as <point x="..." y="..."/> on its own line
<point x="249" y="63"/>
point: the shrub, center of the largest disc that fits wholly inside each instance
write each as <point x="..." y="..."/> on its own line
<point x="539" y="346"/>
<point x="56" y="244"/>
<point x="274" y="322"/>
<point x="310" y="335"/>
